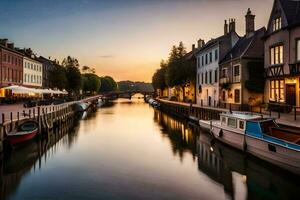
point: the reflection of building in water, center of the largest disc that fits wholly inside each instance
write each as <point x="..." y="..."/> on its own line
<point x="183" y="137"/>
<point x="244" y="177"/>
<point x="30" y="157"/>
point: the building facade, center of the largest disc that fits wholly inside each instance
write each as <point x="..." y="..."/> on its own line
<point x="11" y="64"/>
<point x="208" y="57"/>
<point x="48" y="66"/>
<point x="242" y="69"/>
<point x="33" y="72"/>
<point x="282" y="54"/>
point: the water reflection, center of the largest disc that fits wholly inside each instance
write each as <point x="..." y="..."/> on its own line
<point x="130" y="151"/>
<point x="33" y="156"/>
<point x="242" y="176"/>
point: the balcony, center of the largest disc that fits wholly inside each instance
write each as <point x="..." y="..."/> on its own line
<point x="236" y="79"/>
<point x="224" y="80"/>
<point x="294" y="69"/>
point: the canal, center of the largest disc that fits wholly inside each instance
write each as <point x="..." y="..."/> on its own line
<point x="130" y="151"/>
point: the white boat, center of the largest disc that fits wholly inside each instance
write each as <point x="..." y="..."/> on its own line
<point x="81" y="106"/>
<point x="261" y="137"/>
<point x="231" y="127"/>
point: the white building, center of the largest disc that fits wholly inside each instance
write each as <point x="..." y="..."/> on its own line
<point x="208" y="58"/>
<point x="32" y="72"/>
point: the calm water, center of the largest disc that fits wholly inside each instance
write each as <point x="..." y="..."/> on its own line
<point x="130" y="151"/>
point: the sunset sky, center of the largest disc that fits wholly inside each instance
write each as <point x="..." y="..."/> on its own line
<point x="125" y="39"/>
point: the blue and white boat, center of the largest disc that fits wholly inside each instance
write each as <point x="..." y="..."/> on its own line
<point x="261" y="137"/>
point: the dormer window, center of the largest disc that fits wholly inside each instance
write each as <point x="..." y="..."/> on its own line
<point x="276" y="24"/>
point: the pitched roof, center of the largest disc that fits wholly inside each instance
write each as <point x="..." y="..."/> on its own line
<point x="291" y="10"/>
<point x="10" y="49"/>
<point x="215" y="41"/>
<point x="247" y="46"/>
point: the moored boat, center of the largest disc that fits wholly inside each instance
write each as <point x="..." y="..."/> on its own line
<point x="25" y="132"/>
<point x="231" y="127"/>
<point x="261" y="137"/>
<point x="81" y="106"/>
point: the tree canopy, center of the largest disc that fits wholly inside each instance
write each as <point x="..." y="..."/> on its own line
<point x="90" y="83"/>
<point x="108" y="84"/>
<point x="158" y="78"/>
<point x="57" y="77"/>
<point x="73" y="75"/>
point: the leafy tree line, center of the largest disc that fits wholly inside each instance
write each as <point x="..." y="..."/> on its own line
<point x="74" y="79"/>
<point x="178" y="70"/>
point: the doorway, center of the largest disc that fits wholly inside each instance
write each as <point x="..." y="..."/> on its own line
<point x="291" y="94"/>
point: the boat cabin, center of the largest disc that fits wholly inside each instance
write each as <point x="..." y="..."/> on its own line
<point x="237" y="120"/>
<point x="264" y="128"/>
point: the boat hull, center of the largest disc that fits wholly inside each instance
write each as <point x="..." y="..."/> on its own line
<point x="17" y="139"/>
<point x="229" y="137"/>
<point x="283" y="157"/>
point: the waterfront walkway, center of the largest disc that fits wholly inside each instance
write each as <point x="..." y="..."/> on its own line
<point x="14" y="109"/>
<point x="286" y="119"/>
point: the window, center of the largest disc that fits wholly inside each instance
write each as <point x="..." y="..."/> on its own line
<point x="198" y="78"/>
<point x="276" y="23"/>
<point x="276" y="55"/>
<point x="205" y="77"/>
<point x="231" y="122"/>
<point x="277" y="90"/>
<point x="241" y="124"/>
<point x="216" y="54"/>
<point x="224" y="73"/>
<point x="236" y="70"/>
<point x="210" y="76"/>
<point x="236" y="96"/>
<point x="210" y="57"/>
<point x="201" y="78"/>
<point x="298" y="50"/>
<point x="202" y="61"/>
<point x="216" y="76"/>
<point x="4" y="57"/>
<point x="198" y="62"/>
<point x="206" y="59"/>
<point x="8" y="60"/>
<point x="223" y="120"/>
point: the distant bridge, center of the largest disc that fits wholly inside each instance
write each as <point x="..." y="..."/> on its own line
<point x="126" y="94"/>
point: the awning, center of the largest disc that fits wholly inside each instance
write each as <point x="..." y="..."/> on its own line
<point x="16" y="89"/>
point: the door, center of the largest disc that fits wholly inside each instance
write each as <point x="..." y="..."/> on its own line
<point x="291" y="94"/>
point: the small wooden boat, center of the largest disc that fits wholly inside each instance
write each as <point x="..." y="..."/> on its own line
<point x="25" y="132"/>
<point x="261" y="137"/>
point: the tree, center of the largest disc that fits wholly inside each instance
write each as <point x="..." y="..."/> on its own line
<point x="90" y="83"/>
<point x="70" y="62"/>
<point x="87" y="69"/>
<point x="57" y="77"/>
<point x="158" y="79"/>
<point x="108" y="84"/>
<point x="180" y="70"/>
<point x="73" y="75"/>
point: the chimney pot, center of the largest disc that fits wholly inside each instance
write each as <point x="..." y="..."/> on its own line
<point x="193" y="47"/>
<point x="250" y="22"/>
<point x="225" y="27"/>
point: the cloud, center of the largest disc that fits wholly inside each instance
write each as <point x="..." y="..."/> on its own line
<point x="107" y="56"/>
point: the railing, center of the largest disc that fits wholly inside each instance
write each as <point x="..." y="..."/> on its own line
<point x="294" y="68"/>
<point x="236" y="79"/>
<point x="224" y="80"/>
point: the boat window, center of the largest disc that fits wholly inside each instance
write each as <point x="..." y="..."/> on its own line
<point x="223" y="120"/>
<point x="232" y="122"/>
<point x="267" y="126"/>
<point x="242" y="125"/>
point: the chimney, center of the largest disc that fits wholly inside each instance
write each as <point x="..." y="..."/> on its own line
<point x="250" y="22"/>
<point x="231" y="25"/>
<point x="11" y="45"/>
<point x="225" y="27"/>
<point x="193" y="47"/>
<point x="200" y="43"/>
<point x="4" y="42"/>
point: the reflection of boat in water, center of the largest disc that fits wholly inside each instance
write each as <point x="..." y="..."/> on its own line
<point x="260" y="137"/>
<point x="25" y="132"/>
<point x="240" y="173"/>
